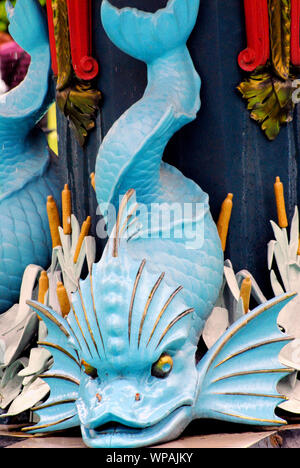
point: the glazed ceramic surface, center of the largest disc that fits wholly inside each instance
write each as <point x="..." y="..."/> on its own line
<point x="27" y="175"/>
<point x="125" y="366"/>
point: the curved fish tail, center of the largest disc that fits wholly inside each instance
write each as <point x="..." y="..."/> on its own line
<point x="147" y="36"/>
<point x="29" y="101"/>
<point x="240" y="373"/>
<point x="29" y="31"/>
<point x="131" y="153"/>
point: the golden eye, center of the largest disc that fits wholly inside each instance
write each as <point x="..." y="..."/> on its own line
<point x="162" y="367"/>
<point x="89" y="370"/>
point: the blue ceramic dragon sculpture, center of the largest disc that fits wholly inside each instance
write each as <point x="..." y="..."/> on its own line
<point x="27" y="172"/>
<point x="125" y="359"/>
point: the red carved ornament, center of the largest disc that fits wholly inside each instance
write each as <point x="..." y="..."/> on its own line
<point x="51" y="37"/>
<point x="258" y="38"/>
<point x="257" y="28"/>
<point x="295" y="33"/>
<point x="80" y="27"/>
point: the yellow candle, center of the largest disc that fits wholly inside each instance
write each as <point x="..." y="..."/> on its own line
<point x="63" y="299"/>
<point x="54" y="221"/>
<point x="298" y="253"/>
<point x="92" y="177"/>
<point x="245" y="293"/>
<point x="90" y="370"/>
<point x="84" y="232"/>
<point x="66" y="209"/>
<point x="224" y="219"/>
<point x="280" y="203"/>
<point x="43" y="287"/>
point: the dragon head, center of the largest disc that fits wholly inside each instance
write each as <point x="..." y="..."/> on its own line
<point x="138" y="370"/>
<point x="124" y="357"/>
<point x="125" y="366"/>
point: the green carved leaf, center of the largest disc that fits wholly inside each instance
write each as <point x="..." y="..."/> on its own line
<point x="269" y="100"/>
<point x="280" y="36"/>
<point x="80" y="105"/>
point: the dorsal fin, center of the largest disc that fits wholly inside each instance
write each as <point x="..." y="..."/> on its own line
<point x="126" y="225"/>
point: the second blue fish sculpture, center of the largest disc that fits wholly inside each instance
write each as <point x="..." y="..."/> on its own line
<point x="28" y="174"/>
<point x="126" y="367"/>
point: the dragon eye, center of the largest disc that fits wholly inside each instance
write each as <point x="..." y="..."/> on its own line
<point x="162" y="367"/>
<point x="89" y="370"/>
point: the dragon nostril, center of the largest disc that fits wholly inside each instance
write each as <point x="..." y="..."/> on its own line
<point x="99" y="397"/>
<point x="137" y="397"/>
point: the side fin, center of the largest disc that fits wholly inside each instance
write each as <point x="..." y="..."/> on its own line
<point x="239" y="375"/>
<point x="59" y="411"/>
<point x="147" y="36"/>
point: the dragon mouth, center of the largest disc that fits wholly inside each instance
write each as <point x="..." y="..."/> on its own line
<point x="115" y="435"/>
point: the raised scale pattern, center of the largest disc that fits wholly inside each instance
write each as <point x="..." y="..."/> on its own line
<point x="27" y="173"/>
<point x="125" y="366"/>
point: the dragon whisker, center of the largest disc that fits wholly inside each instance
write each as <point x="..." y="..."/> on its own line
<point x="149" y="300"/>
<point x="79" y="326"/>
<point x="138" y="277"/>
<point x="179" y="317"/>
<point x="163" y="311"/>
<point x="95" y="313"/>
<point x="58" y="348"/>
<point x="123" y="205"/>
<point x="126" y="224"/>
<point x="74" y="334"/>
<point x="87" y="321"/>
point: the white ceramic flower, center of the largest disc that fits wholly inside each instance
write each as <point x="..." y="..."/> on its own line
<point x="229" y="306"/>
<point x="63" y="256"/>
<point x="20" y="386"/>
<point x="283" y="252"/>
<point x="19" y="324"/>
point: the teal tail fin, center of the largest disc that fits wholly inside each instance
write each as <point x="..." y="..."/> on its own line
<point x="59" y="411"/>
<point x="240" y="373"/>
<point x="29" y="100"/>
<point x="28" y="25"/>
<point x="147" y="36"/>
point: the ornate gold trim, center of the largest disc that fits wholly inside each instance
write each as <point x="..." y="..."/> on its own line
<point x="280" y="36"/>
